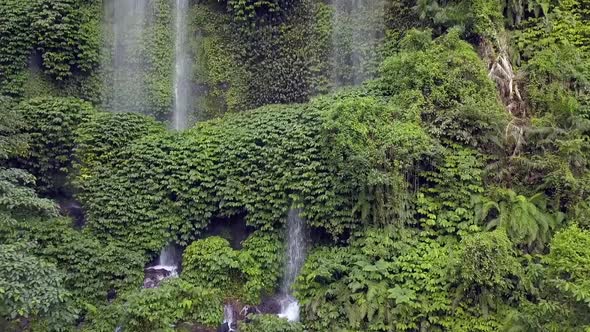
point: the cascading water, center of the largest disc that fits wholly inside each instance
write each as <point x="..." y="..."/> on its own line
<point x="295" y="257"/>
<point x="229" y="321"/>
<point x="125" y="69"/>
<point x="168" y="260"/>
<point x="182" y="71"/>
<point x="358" y="28"/>
<point x="167" y="266"/>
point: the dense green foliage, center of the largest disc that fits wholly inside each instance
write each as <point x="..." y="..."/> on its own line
<point x="270" y="323"/>
<point x="64" y="34"/>
<point x="158" y="309"/>
<point x="51" y="123"/>
<point x="245" y="62"/>
<point x="89" y="276"/>
<point x="448" y="192"/>
<point x="260" y="163"/>
<point x="247" y="273"/>
<point x="32" y="288"/>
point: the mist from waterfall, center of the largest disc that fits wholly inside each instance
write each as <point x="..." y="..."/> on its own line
<point x="357" y="30"/>
<point x="182" y="69"/>
<point x="294" y="260"/>
<point x="124" y="66"/>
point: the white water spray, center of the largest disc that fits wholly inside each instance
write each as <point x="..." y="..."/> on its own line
<point x="357" y="30"/>
<point x="126" y="22"/>
<point x="182" y="69"/>
<point x="295" y="257"/>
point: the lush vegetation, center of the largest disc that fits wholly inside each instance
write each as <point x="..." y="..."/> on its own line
<point x="448" y="192"/>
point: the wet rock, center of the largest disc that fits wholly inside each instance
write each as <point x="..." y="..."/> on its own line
<point x="155" y="275"/>
<point x="73" y="209"/>
<point x="248" y="310"/>
<point x="223" y="328"/>
<point x="270" y="305"/>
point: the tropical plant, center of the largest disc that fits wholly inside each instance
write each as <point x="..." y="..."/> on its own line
<point x="444" y="206"/>
<point x="50" y="124"/>
<point x="248" y="274"/>
<point x="568" y="265"/>
<point x="269" y="323"/>
<point x="526" y="220"/>
<point x="386" y="280"/>
<point x="458" y="101"/>
<point x="561" y="302"/>
<point x="95" y="271"/>
<point x="211" y="263"/>
<point x="261" y="258"/>
<point x="18" y="198"/>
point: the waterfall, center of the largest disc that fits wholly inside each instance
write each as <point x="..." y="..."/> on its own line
<point x="182" y="69"/>
<point x="228" y="318"/>
<point x="167" y="266"/>
<point x="169" y="260"/>
<point x="295" y="257"/>
<point x="357" y="29"/>
<point x="125" y="68"/>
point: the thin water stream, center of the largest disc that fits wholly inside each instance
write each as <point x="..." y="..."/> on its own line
<point x="295" y="258"/>
<point x="182" y="68"/>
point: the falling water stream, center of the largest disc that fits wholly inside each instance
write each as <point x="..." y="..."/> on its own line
<point x="357" y="30"/>
<point x="167" y="266"/>
<point x="182" y="68"/>
<point x="126" y="22"/>
<point x="169" y="260"/>
<point x="228" y="318"/>
<point x="295" y="257"/>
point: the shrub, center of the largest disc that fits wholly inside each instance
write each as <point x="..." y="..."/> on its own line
<point x="486" y="270"/>
<point x="569" y="264"/>
<point x="258" y="162"/>
<point x="51" y="124"/>
<point x="459" y="100"/>
<point x="211" y="263"/>
<point x="248" y="274"/>
<point x="93" y="269"/>
<point x="159" y="309"/>
<point x="269" y="323"/>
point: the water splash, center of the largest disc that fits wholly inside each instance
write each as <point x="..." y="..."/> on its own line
<point x="182" y="71"/>
<point x="295" y="258"/>
<point x="289" y="308"/>
<point x="357" y="29"/>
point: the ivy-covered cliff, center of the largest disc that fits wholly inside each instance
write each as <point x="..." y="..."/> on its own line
<point x="437" y="152"/>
